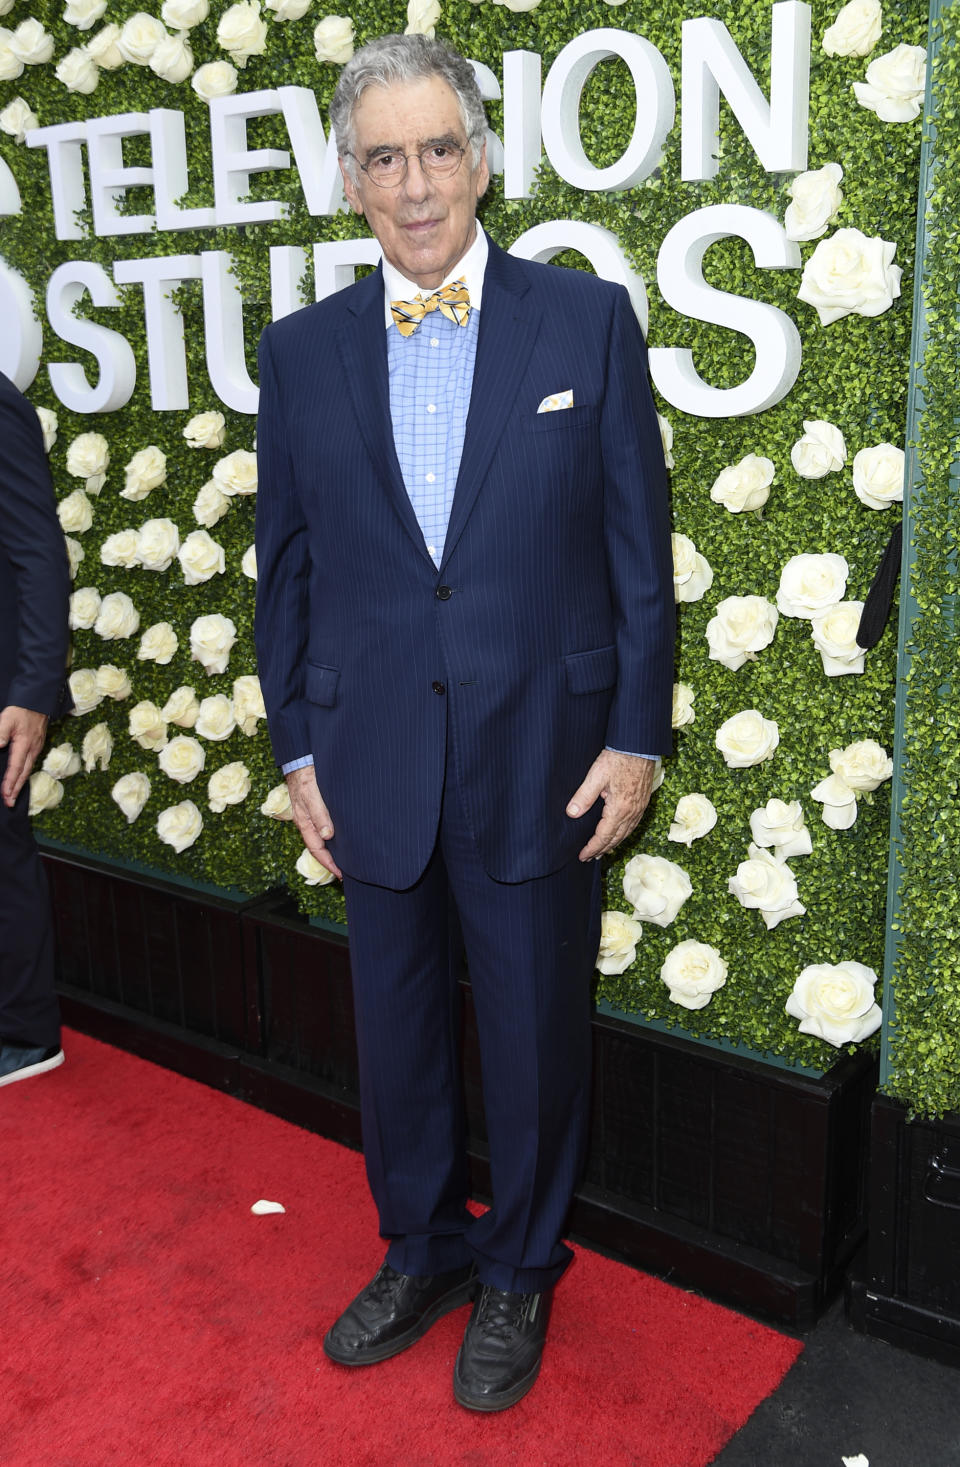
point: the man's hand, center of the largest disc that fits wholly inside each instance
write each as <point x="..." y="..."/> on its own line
<point x="22" y="732"/>
<point x="623" y="781"/>
<point x="312" y="816"/>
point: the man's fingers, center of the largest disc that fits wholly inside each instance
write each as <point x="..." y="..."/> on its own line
<point x="18" y="766"/>
<point x="311" y="816"/>
<point x="587" y="795"/>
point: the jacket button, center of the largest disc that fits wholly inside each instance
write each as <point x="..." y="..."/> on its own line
<point x="444" y="593"/>
<point x="440" y="688"/>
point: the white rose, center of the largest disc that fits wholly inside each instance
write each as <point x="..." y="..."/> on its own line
<point x="248" y="706"/>
<point x="767" y="884"/>
<point x="75" y="513"/>
<point x="693" y="971"/>
<point x="180" y="825"/>
<point x="147" y="726"/>
<point x="78" y="71"/>
<point x="118" y="617"/>
<point x="312" y="872"/>
<point x="277" y="804"/>
<point x="333" y="39"/>
<point x="158" y="644"/>
<point x="816" y="197"/>
<point x="619" y="935"/>
<point x="781" y="825"/>
<point x="895" y="84"/>
<point x="17" y="119"/>
<point x="182" y="707"/>
<point x="877" y="475"/>
<point x="682" y="713"/>
<point x="692" y="576"/>
<point x="206" y="430"/>
<point x="113" y="682"/>
<point x="862" y="765"/>
<point x="745" y="485"/>
<point x="838" y="800"/>
<point x="11" y="66"/>
<point x="215" y="79"/>
<point x="84" y="608"/>
<point x="243" y="31"/>
<point x="157" y="544"/>
<point x="75" y="554"/>
<point x="210" y="505"/>
<point x="49" y="423"/>
<point x="182" y="759"/>
<point x="61" y="762"/>
<point x="84" y="13"/>
<point x="422" y="17"/>
<point x="172" y="61"/>
<point x="131" y="794"/>
<point x="215" y="720"/>
<point x="122" y="548"/>
<point x="834" y="633"/>
<point x="236" y="473"/>
<point x="656" y="887"/>
<point x="747" y="739"/>
<point x="666" y="429"/>
<point x="835" y="1002"/>
<point x="820" y="451"/>
<point x="850" y="273"/>
<point x="31" y="44"/>
<point x="97" y="747"/>
<point x="200" y="558"/>
<point x="139" y="38"/>
<point x="146" y="471"/>
<point x="740" y="628"/>
<point x="810" y="583"/>
<point x="83" y="690"/>
<point x="183" y="15"/>
<point x="856" y="29"/>
<point x="228" y="786"/>
<point x="88" y="457"/>
<point x="695" y="817"/>
<point x="45" y="793"/>
<point x="211" y="641"/>
<point x="289" y="9"/>
<point x="249" y="562"/>
<point x="104" y="49"/>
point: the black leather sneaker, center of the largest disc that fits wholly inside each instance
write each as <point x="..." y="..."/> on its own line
<point x="394" y="1311"/>
<point x="502" y="1349"/>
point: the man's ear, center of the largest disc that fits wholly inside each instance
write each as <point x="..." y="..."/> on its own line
<point x="350" y="188"/>
<point x="483" y="172"/>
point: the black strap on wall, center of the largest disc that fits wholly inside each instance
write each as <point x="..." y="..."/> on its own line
<point x="876" y="608"/>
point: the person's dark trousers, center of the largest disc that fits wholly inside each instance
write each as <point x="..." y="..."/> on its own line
<point x="29" y="1012"/>
<point x="530" y="951"/>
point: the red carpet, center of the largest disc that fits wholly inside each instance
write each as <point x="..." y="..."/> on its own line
<point x="147" y="1319"/>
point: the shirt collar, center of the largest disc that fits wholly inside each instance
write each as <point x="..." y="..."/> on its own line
<point x="471" y="267"/>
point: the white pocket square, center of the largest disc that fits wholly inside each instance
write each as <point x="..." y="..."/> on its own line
<point x="556" y="401"/>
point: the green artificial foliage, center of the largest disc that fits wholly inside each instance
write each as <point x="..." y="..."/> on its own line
<point x="923" y="1041"/>
<point x="854" y="374"/>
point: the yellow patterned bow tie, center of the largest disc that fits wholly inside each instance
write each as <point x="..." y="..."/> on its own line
<point x="452" y="301"/>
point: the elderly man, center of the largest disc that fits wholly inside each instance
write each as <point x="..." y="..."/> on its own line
<point x="464" y="626"/>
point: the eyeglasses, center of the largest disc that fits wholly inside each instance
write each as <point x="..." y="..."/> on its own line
<point x="439" y="160"/>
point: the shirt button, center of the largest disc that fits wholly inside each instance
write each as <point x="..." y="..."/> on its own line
<point x="431" y="407"/>
<point x="430" y="478"/>
<point x="431" y="549"/>
<point x="439" y="688"/>
<point x="444" y="593"/>
<point x="434" y="341"/>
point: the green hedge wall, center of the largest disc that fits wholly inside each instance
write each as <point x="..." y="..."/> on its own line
<point x="854" y="374"/>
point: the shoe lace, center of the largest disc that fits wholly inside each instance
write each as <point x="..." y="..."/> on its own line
<point x="383" y="1284"/>
<point x="500" y="1314"/>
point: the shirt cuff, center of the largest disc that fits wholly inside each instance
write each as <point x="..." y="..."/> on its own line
<point x="654" y="758"/>
<point x="293" y="764"/>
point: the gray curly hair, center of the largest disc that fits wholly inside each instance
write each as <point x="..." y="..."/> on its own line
<point x="397" y="58"/>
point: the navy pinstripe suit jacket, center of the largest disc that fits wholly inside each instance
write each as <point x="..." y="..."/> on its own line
<point x="547" y="632"/>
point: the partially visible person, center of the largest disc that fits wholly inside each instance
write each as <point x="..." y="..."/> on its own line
<point x="34" y="609"/>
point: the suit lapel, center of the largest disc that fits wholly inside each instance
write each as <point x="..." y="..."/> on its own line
<point x="509" y="322"/>
<point x="361" y="340"/>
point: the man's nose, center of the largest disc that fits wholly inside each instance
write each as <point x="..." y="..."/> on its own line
<point x="416" y="184"/>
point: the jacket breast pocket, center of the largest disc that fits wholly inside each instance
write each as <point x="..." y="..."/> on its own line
<point x="584" y="416"/>
<point x="321" y="684"/>
<point x="591" y="672"/>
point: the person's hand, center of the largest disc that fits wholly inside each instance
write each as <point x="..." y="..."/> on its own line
<point x="623" y="781"/>
<point x="312" y="816"/>
<point x="22" y="733"/>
